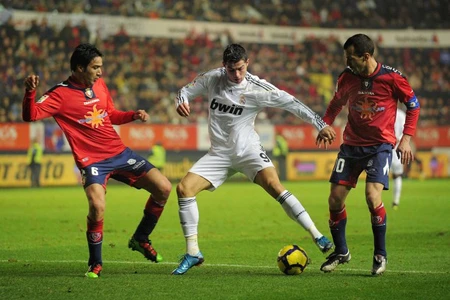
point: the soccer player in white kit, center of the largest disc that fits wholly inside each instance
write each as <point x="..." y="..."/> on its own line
<point x="235" y="97"/>
<point x="396" y="165"/>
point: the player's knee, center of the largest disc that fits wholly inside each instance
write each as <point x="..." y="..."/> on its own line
<point x="336" y="202"/>
<point x="96" y="209"/>
<point x="338" y="194"/>
<point x="183" y="190"/>
<point x="373" y="200"/>
<point x="164" y="189"/>
<point x="96" y="198"/>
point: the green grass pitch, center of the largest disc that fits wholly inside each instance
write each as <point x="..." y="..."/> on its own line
<point x="43" y="250"/>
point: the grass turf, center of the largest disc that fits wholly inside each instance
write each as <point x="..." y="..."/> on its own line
<point x="43" y="251"/>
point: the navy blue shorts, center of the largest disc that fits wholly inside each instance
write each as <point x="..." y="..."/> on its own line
<point x="352" y="160"/>
<point x="126" y="167"/>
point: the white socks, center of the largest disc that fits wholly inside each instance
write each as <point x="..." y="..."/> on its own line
<point x="189" y="216"/>
<point x="295" y="210"/>
<point x="397" y="190"/>
<point x="192" y="245"/>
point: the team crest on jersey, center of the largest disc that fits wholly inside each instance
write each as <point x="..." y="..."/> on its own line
<point x="190" y="84"/>
<point x="89" y="93"/>
<point x="366" y="84"/>
<point x="42" y="99"/>
<point x="242" y="100"/>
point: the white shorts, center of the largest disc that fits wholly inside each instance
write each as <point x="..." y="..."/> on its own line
<point x="396" y="165"/>
<point x="217" y="168"/>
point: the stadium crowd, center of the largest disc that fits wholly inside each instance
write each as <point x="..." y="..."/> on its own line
<point x="375" y="14"/>
<point x="147" y="72"/>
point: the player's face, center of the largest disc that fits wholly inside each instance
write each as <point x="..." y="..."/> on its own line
<point x="236" y="71"/>
<point x="92" y="72"/>
<point x="355" y="62"/>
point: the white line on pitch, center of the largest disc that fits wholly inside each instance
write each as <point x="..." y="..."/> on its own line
<point x="213" y="265"/>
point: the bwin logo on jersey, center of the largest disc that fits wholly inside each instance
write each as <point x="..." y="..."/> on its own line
<point x="233" y="109"/>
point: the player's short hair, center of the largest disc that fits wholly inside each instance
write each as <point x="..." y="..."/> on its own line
<point x="234" y="53"/>
<point x="361" y="43"/>
<point x="83" y="55"/>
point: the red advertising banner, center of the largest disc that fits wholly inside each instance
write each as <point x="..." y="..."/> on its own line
<point x="430" y="137"/>
<point x="14" y="136"/>
<point x="172" y="137"/>
<point x="179" y="137"/>
<point x="304" y="137"/>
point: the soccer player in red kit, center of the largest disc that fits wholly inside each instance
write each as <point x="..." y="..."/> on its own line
<point x="371" y="91"/>
<point x="83" y="108"/>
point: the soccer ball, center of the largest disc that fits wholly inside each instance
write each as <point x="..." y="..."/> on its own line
<point x="292" y="260"/>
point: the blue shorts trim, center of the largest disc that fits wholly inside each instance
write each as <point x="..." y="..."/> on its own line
<point x="126" y="167"/>
<point x="352" y="160"/>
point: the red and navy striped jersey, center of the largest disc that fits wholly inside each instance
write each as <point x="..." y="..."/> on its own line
<point x="372" y="105"/>
<point x="86" y="115"/>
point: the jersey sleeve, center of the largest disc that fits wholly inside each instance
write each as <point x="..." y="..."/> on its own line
<point x="281" y="99"/>
<point x="117" y="117"/>
<point x="406" y="95"/>
<point x="46" y="106"/>
<point x="197" y="87"/>
<point x="337" y="102"/>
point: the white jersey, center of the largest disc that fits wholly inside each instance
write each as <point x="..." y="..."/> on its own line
<point x="396" y="165"/>
<point x="233" y="108"/>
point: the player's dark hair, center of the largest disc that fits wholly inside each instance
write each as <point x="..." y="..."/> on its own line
<point x="361" y="43"/>
<point x="234" y="53"/>
<point x="83" y="55"/>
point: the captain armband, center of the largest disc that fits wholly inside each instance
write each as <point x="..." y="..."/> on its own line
<point x="412" y="103"/>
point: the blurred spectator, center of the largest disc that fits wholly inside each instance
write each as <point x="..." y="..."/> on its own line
<point x="34" y="159"/>
<point x="85" y="34"/>
<point x="121" y="37"/>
